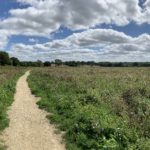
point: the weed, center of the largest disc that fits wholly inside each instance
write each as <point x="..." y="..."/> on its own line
<point x="98" y="108"/>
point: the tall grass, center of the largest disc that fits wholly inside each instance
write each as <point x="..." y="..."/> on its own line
<point x="98" y="108"/>
<point x="8" y="78"/>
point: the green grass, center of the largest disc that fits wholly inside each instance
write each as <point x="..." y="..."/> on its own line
<point x="98" y="108"/>
<point x="8" y="78"/>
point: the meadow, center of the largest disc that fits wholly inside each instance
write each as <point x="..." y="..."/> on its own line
<point x="8" y="79"/>
<point x="96" y="108"/>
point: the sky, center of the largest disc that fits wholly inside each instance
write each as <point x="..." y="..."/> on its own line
<point x="81" y="30"/>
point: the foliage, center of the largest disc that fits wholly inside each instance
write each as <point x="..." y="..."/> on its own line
<point x="58" y="62"/>
<point x="47" y="63"/>
<point x="4" y="58"/>
<point x="107" y="64"/>
<point x="15" y="61"/>
<point x="98" y="108"/>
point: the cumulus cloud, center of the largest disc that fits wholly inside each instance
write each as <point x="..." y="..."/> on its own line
<point x="83" y="13"/>
<point x="43" y="17"/>
<point x="144" y="17"/>
<point x="4" y="38"/>
<point x="93" y="44"/>
<point x="91" y="37"/>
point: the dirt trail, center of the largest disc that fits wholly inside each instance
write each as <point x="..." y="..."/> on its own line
<point x="29" y="129"/>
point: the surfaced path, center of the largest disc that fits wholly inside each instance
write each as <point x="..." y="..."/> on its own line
<point x="29" y="129"/>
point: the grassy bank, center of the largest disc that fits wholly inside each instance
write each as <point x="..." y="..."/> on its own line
<point x="98" y="108"/>
<point x="8" y="78"/>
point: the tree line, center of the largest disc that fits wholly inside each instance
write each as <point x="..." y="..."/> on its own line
<point x="13" y="61"/>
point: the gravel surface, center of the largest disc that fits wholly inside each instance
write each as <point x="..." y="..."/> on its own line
<point x="29" y="129"/>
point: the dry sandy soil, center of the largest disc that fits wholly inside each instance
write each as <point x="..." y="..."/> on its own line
<point x="29" y="129"/>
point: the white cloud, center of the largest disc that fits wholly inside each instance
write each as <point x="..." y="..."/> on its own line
<point x="4" y="38"/>
<point x="94" y="44"/>
<point x="44" y="17"/>
<point x="83" y="13"/>
<point x="144" y="17"/>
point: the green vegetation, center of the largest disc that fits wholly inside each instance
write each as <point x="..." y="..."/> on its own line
<point x="8" y="78"/>
<point x="15" y="61"/>
<point x="6" y="60"/>
<point x="98" y="108"/>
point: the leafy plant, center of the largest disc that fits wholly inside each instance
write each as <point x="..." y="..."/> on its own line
<point x="98" y="108"/>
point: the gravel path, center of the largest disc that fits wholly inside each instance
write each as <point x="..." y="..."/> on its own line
<point x="29" y="129"/>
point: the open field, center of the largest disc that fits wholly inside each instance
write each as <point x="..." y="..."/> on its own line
<point x="98" y="108"/>
<point x="8" y="78"/>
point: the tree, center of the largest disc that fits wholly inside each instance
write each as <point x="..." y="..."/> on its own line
<point x="39" y="63"/>
<point x="15" y="61"/>
<point x="4" y="58"/>
<point x="47" y="64"/>
<point x="72" y="63"/>
<point x="58" y="62"/>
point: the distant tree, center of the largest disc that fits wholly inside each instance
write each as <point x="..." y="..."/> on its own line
<point x="15" y="61"/>
<point x="135" y="64"/>
<point x="71" y="63"/>
<point x="4" y="58"/>
<point x="23" y="63"/>
<point x="91" y="63"/>
<point x="39" y="63"/>
<point x="47" y="64"/>
<point x="58" y="62"/>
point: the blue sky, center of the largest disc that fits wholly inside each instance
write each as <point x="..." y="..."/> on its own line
<point x="6" y="5"/>
<point x="76" y="29"/>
